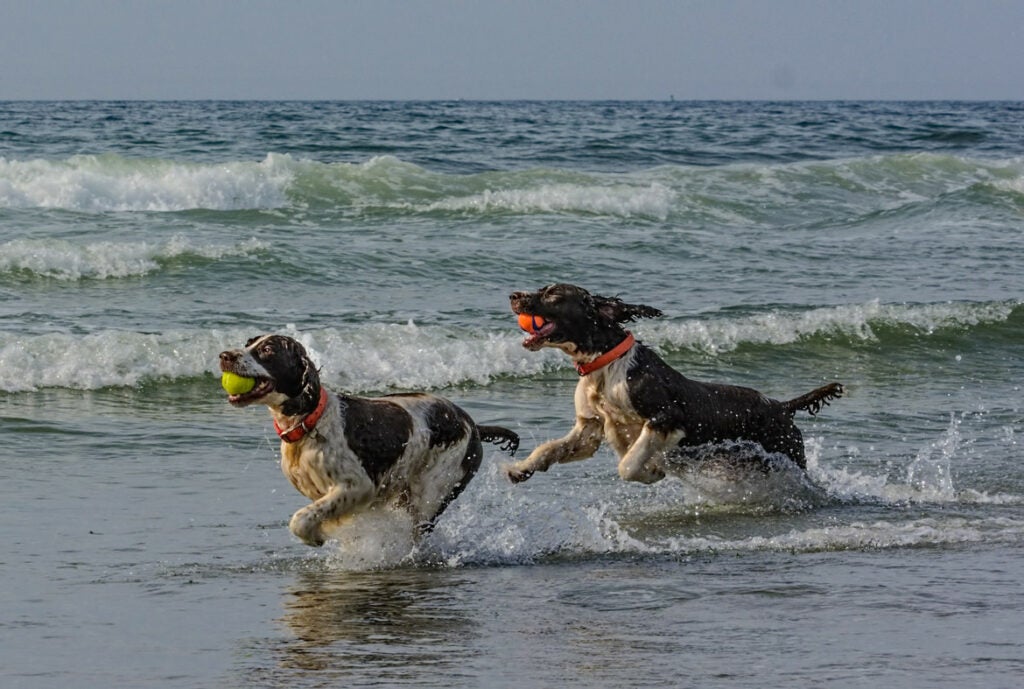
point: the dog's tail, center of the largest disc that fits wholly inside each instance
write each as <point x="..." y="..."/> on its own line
<point x="503" y="437"/>
<point x="814" y="400"/>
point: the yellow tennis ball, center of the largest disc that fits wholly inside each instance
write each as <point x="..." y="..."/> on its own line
<point x="236" y="384"/>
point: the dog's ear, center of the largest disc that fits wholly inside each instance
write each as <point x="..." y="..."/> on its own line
<point x="310" y="379"/>
<point x="618" y="311"/>
<point x="309" y="385"/>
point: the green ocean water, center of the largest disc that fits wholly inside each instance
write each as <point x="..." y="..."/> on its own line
<point x="788" y="244"/>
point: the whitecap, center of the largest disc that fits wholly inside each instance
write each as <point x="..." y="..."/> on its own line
<point x="619" y="200"/>
<point x="62" y="259"/>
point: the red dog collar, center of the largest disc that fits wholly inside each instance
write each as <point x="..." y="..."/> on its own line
<point x="299" y="430"/>
<point x="608" y="357"/>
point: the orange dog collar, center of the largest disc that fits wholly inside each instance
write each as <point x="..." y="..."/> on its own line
<point x="608" y="357"/>
<point x="299" y="431"/>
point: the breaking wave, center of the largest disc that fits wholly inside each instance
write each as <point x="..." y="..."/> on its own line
<point x="734" y="194"/>
<point x="60" y="259"/>
<point x="872" y="321"/>
<point x="113" y="183"/>
<point x="379" y="356"/>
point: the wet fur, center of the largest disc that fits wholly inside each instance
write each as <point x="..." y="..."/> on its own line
<point x="415" y="451"/>
<point x="640" y="405"/>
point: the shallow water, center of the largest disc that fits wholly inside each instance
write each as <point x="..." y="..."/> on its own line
<point x="788" y="245"/>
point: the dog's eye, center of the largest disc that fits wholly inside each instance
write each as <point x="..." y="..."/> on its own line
<point x="267" y="350"/>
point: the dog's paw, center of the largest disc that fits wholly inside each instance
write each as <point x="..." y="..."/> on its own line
<point x="650" y="472"/>
<point x="517" y="475"/>
<point x="307" y="528"/>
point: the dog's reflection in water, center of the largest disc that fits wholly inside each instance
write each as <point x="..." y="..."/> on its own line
<point x="345" y="623"/>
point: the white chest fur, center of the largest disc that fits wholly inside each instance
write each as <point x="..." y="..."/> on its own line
<point x="607" y="394"/>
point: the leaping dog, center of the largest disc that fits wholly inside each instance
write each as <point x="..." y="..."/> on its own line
<point x="414" y="451"/>
<point x="630" y="397"/>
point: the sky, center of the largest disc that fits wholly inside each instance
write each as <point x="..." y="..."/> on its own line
<point x="512" y="49"/>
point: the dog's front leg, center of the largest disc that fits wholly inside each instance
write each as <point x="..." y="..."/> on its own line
<point x="581" y="442"/>
<point x="309" y="522"/>
<point x="640" y="463"/>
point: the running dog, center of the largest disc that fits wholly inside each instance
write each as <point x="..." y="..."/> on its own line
<point x="628" y="396"/>
<point x="414" y="451"/>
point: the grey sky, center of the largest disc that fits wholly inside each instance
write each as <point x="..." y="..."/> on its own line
<point x="512" y="49"/>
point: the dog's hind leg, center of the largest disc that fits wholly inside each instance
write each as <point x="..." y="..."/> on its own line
<point x="788" y="441"/>
<point x="469" y="465"/>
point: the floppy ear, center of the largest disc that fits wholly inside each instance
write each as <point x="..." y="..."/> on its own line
<point x="309" y="385"/>
<point x="618" y="311"/>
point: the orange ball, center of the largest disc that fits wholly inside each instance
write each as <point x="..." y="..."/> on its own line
<point x="530" y="323"/>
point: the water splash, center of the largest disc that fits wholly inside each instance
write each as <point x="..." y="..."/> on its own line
<point x="741" y="475"/>
<point x="929" y="474"/>
<point x="497" y="524"/>
<point x="377" y="539"/>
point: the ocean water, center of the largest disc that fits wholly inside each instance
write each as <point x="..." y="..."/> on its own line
<point x="788" y="244"/>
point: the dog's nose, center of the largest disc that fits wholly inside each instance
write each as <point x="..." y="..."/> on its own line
<point x="228" y="357"/>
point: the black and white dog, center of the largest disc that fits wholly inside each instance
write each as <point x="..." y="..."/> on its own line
<point x="414" y="451"/>
<point x="643" y="407"/>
